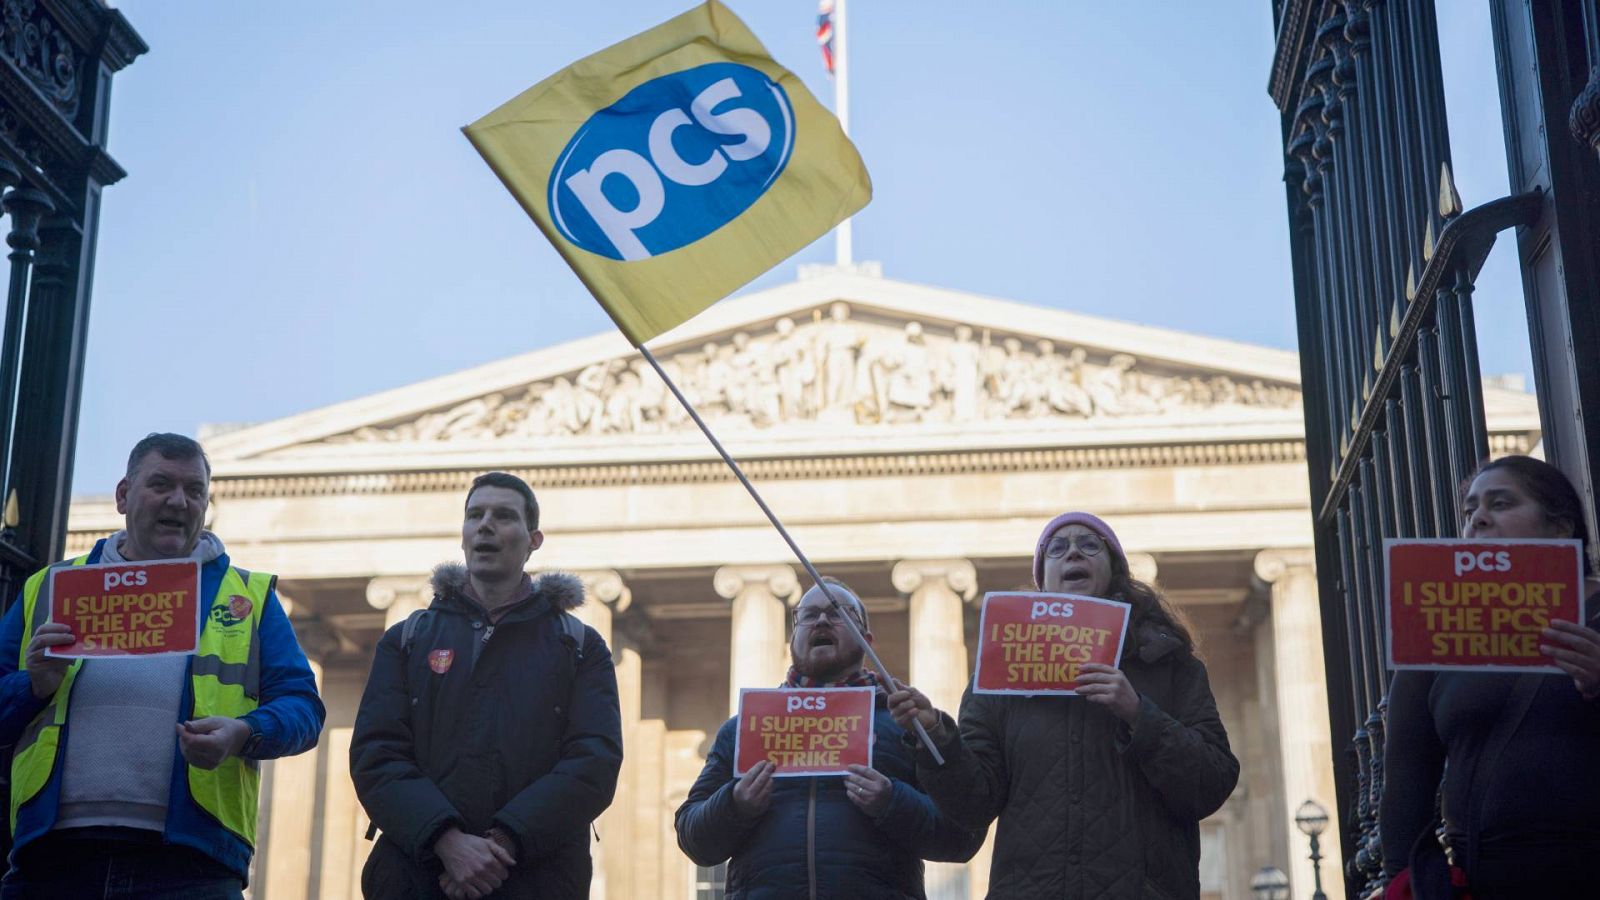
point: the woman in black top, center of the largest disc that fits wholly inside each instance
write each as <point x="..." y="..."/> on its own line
<point x="1521" y="797"/>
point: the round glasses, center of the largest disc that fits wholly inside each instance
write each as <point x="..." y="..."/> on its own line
<point x="812" y="615"/>
<point x="1087" y="544"/>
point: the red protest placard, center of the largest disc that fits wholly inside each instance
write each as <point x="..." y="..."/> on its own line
<point x="127" y="609"/>
<point x="1478" y="605"/>
<point x="804" y="731"/>
<point x="1035" y="643"/>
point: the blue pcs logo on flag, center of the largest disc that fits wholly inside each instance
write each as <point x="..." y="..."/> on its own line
<point x="673" y="167"/>
<point x="675" y="159"/>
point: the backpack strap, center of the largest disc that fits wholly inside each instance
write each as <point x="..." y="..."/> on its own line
<point x="572" y="634"/>
<point x="408" y="631"/>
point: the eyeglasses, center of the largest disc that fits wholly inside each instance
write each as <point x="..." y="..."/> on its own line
<point x="1088" y="545"/>
<point x="812" y="615"/>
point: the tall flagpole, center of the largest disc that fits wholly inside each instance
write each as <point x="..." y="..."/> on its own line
<point x="841" y="109"/>
<point x="805" y="562"/>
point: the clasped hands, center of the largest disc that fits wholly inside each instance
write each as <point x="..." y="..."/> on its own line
<point x="474" y="866"/>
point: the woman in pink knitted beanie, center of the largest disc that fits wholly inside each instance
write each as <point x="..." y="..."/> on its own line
<point x="1099" y="796"/>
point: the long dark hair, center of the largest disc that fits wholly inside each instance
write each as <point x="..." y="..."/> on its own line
<point x="1149" y="604"/>
<point x="1547" y="486"/>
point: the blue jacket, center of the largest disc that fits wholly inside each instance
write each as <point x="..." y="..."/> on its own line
<point x="812" y="835"/>
<point x="288" y="721"/>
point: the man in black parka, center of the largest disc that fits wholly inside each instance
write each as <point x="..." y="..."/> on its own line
<point x="489" y="738"/>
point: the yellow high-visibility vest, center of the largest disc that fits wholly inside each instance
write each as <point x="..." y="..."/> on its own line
<point x="226" y="674"/>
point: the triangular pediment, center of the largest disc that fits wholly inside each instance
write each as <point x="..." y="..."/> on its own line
<point x="798" y="369"/>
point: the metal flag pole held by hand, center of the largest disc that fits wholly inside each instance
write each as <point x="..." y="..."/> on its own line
<point x="816" y="577"/>
<point x="541" y="145"/>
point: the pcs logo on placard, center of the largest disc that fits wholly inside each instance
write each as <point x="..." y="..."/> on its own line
<point x="234" y="612"/>
<point x="672" y="161"/>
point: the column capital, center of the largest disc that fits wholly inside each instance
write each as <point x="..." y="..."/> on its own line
<point x="607" y="587"/>
<point x="318" y="640"/>
<point x="384" y="591"/>
<point x="1142" y="566"/>
<point x="958" y="575"/>
<point x="1271" y="565"/>
<point x="780" y="581"/>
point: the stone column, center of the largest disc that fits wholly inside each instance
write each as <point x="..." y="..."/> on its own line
<point x="344" y="822"/>
<point x="760" y="595"/>
<point x="398" y="596"/>
<point x="1302" y="695"/>
<point x="291" y="819"/>
<point x="617" y="824"/>
<point x="939" y="589"/>
<point x="605" y="596"/>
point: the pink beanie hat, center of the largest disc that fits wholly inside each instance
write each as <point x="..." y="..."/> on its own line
<point x="1093" y="523"/>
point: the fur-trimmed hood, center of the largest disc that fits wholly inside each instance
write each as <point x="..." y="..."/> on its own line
<point x="562" y="590"/>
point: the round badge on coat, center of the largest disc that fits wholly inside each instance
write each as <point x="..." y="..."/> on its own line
<point x="439" y="661"/>
<point x="239" y="606"/>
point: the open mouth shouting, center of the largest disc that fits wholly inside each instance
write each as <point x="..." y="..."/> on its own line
<point x="821" y="639"/>
<point x="1076" y="577"/>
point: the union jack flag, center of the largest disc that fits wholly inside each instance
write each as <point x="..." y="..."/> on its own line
<point x="825" y="32"/>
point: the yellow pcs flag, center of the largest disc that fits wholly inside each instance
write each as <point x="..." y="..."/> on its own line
<point x="674" y="167"/>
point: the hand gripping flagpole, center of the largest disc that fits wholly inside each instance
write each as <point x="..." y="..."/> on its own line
<point x="816" y="577"/>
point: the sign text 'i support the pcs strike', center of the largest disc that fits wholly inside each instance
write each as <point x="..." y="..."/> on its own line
<point x="127" y="609"/>
<point x="1479" y="605"/>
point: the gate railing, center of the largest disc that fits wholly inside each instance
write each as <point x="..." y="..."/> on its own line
<point x="1384" y="262"/>
<point x="57" y="58"/>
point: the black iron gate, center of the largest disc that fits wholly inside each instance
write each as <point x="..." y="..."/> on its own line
<point x="57" y="58"/>
<point x="1384" y="260"/>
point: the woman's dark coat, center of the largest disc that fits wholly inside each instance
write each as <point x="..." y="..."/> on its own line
<point x="1089" y="808"/>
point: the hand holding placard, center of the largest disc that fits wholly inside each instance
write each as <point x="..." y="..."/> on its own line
<point x="752" y="793"/>
<point x="44" y="670"/>
<point x="1106" y="686"/>
<point x="1576" y="650"/>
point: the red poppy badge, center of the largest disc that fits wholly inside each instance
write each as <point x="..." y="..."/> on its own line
<point x="439" y="661"/>
<point x="239" y="606"/>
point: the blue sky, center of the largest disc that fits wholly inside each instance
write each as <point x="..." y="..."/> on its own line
<point x="303" y="222"/>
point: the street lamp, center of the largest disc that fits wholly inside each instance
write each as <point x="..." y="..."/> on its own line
<point x="1270" y="884"/>
<point x="1312" y="820"/>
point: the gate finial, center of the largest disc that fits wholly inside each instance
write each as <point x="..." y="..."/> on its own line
<point x="1449" y="199"/>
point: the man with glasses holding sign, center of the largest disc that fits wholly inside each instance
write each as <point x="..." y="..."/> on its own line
<point x="156" y="790"/>
<point x="1099" y="792"/>
<point x="859" y="834"/>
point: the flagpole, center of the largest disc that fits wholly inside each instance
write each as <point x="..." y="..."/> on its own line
<point x="816" y="577"/>
<point x="841" y="109"/>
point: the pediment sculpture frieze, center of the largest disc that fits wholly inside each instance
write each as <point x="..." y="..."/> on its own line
<point x="836" y="369"/>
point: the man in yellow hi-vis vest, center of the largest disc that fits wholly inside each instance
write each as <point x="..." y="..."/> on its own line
<point x="154" y="795"/>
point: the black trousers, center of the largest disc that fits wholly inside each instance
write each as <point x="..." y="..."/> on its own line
<point x="115" y="864"/>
